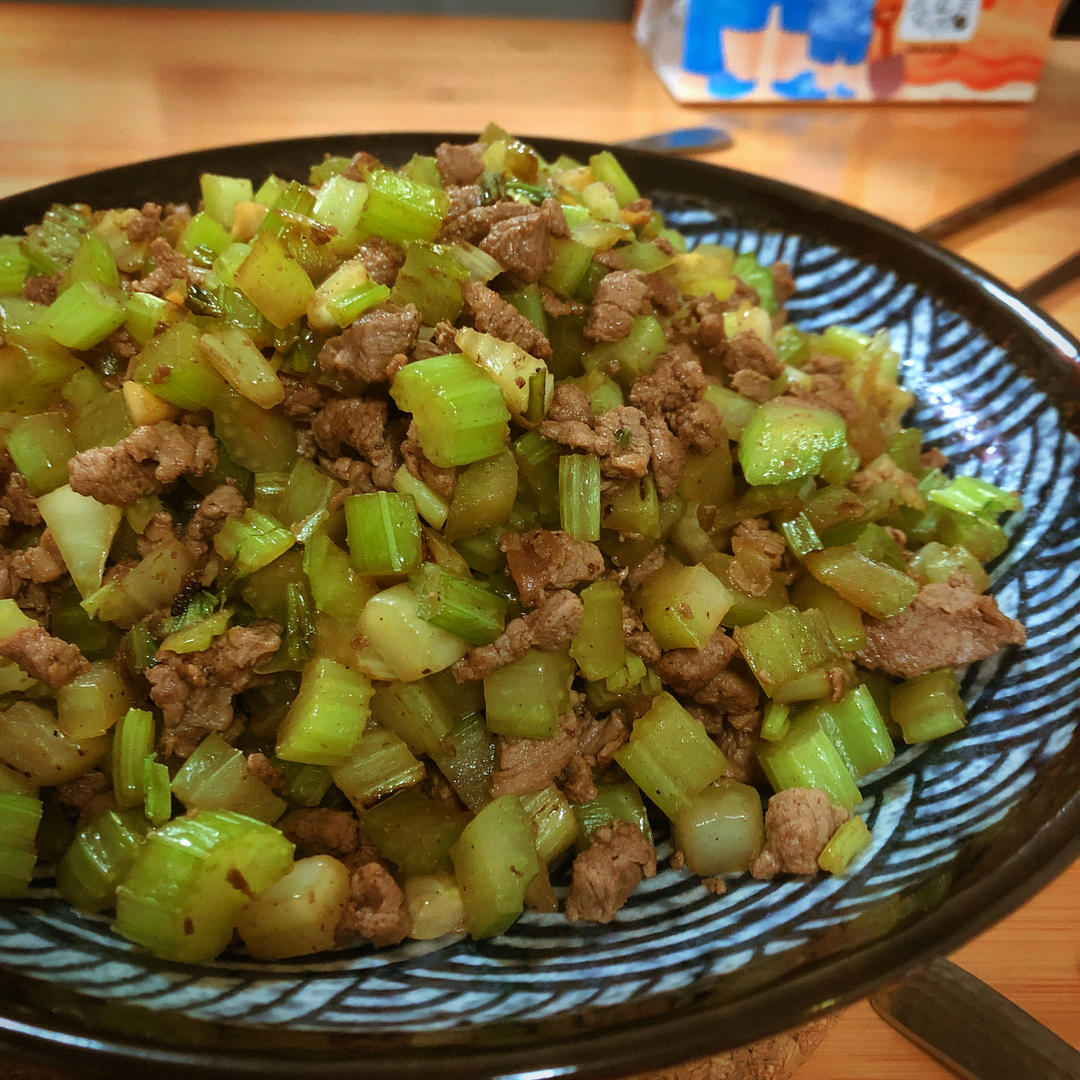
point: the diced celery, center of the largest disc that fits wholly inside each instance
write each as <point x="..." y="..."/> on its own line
<point x="400" y="209"/>
<point x="150" y="585"/>
<point x="171" y="365"/>
<point x="92" y="262"/>
<point x="335" y="586"/>
<point x="494" y="862"/>
<point x="41" y="446"/>
<point x="157" y="796"/>
<point x="484" y="495"/>
<point x="526" y="697"/>
<point x="800" y="535"/>
<point x="513" y="370"/>
<point x="871" y="586"/>
<point x="553" y="821"/>
<point x="634" y="355"/>
<point x="103" y="421"/>
<point x="51" y="246"/>
<point x="83" y="315"/>
<point x="670" y="756"/>
<point x="380" y="763"/>
<point x="598" y="648"/>
<point x="416" y="712"/>
<point x="786" y="439"/>
<point x="220" y="195"/>
<point x="202" y="240"/>
<point x="633" y="509"/>
<point x="339" y="203"/>
<point x="786" y="645"/>
<point x="844" y="618"/>
<point x="855" y="727"/>
<point x="132" y="741"/>
<point x="384" y="532"/>
<point x="748" y="269"/>
<point x="614" y="802"/>
<point x="776" y="721"/>
<point x="537" y="460"/>
<point x="344" y="296"/>
<point x="197" y="636"/>
<point x="683" y="605"/>
<point x="99" y="859"/>
<point x="20" y="816"/>
<point x="928" y="707"/>
<point x="414" y="832"/>
<point x="721" y="828"/>
<point x="93" y="701"/>
<point x="458" y="605"/>
<point x="970" y="495"/>
<point x="83" y="530"/>
<point x="274" y="282"/>
<point x="571" y="261"/>
<point x="14" y="266"/>
<point x="935" y="562"/>
<point x="431" y="280"/>
<point x="191" y="878"/>
<point x="459" y="411"/>
<point x="216" y="777"/>
<point x="467" y="759"/>
<point x="607" y="169"/>
<point x="806" y="757"/>
<point x="432" y="507"/>
<point x="579" y="495"/>
<point x="328" y="716"/>
<point x="251" y="542"/>
<point x="848" y="841"/>
<point x="242" y="366"/>
<point x="258" y="439"/>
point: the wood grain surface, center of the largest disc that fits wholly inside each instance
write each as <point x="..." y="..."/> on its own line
<point x="82" y="88"/>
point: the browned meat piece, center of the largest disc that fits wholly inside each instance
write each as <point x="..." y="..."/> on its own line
<point x="526" y="765"/>
<point x="78" y="792"/>
<point x="473" y="225"/>
<point x="707" y="334"/>
<point x="688" y="670"/>
<point x="637" y="639"/>
<point x="375" y="347"/>
<point x="575" y="435"/>
<point x="542" y="560"/>
<point x="195" y="691"/>
<point x="260" y="766"/>
<point x="752" y="384"/>
<point x="354" y="474"/>
<point x="556" y="307"/>
<point x="362" y="163"/>
<point x="16" y="502"/>
<point x="608" y="871"/>
<point x="758" y="551"/>
<point x="121" y="344"/>
<point x="798" y="824"/>
<point x="44" y="657"/>
<point x="41" y="288"/>
<point x="626" y="446"/>
<point x="570" y="402"/>
<point x="738" y="739"/>
<point x="158" y="529"/>
<point x="644" y="569"/>
<point x="668" y="456"/>
<point x="620" y="296"/>
<point x="360" y="424"/>
<point x="933" y="458"/>
<point x="169" y="267"/>
<point x="41" y="563"/>
<point x="382" y="259"/>
<point x="600" y="738"/>
<point x="303" y="397"/>
<point x="730" y="691"/>
<point x="146" y="461"/>
<point x="883" y="470"/>
<point x="699" y="426"/>
<point x="612" y="259"/>
<point x="493" y="315"/>
<point x="460" y="164"/>
<point x="783" y="282"/>
<point x="677" y="381"/>
<point x="326" y="832"/>
<point x="376" y="908"/>
<point x="522" y="244"/>
<point x="577" y="781"/>
<point x="828" y="392"/>
<point x="224" y="502"/>
<point x="551" y="626"/>
<point x="463" y="197"/>
<point x="439" y="479"/>
<point x="947" y="625"/>
<point x="747" y="352"/>
<point x="144" y="224"/>
<point x="663" y="293"/>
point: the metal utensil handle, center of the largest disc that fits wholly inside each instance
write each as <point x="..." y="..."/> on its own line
<point x="972" y="1028"/>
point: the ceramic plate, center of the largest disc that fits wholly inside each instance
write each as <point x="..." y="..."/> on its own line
<point x="964" y="828"/>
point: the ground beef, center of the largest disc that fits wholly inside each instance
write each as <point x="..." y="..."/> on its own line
<point x="947" y="625"/>
<point x="608" y="871"/>
<point x="798" y="824"/>
<point x="730" y="691"/>
<point x="224" y="502"/>
<point x="355" y="475"/>
<point x="783" y="282"/>
<point x="575" y="435"/>
<point x="699" y="426"/>
<point x="16" y="503"/>
<point x="828" y="392"/>
<point x="375" y="347"/>
<point x="752" y="385"/>
<point x="144" y="224"/>
<point x="382" y="259"/>
<point x="668" y="456"/>
<point x="522" y="245"/>
<point x="438" y="478"/>
<point x="475" y="223"/>
<point x="627" y="445"/>
<point x="636" y="638"/>
<point x="542" y="560"/>
<point x="460" y="164"/>
<point x="90" y="794"/>
<point x="677" y="381"/>
<point x="491" y="314"/>
<point x="41" y="288"/>
<point x="619" y="296"/>
<point x="570" y="402"/>
<point x="169" y="267"/>
<point x="44" y="657"/>
<point x="689" y="670"/>
<point x="738" y="739"/>
<point x="556" y="307"/>
<point x="463" y="197"/>
<point x="376" y="909"/>
<point x="551" y="626"/>
<point x="303" y="398"/>
<point x="523" y="766"/>
<point x="121" y="344"/>
<point x="261" y="768"/>
<point x="577" y="781"/>
<point x="747" y="352"/>
<point x="195" y="691"/>
<point x="758" y="551"/>
<point x="146" y="461"/>
<point x="360" y="424"/>
<point x="600" y="737"/>
<point x="40" y="564"/>
<point x="645" y="567"/>
<point x="326" y="832"/>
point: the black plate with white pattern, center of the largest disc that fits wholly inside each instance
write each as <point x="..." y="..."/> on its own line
<point x="964" y="829"/>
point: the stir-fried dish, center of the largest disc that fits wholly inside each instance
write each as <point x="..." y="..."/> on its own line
<point x="381" y="549"/>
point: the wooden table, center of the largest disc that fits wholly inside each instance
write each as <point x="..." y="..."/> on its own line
<point x="82" y="88"/>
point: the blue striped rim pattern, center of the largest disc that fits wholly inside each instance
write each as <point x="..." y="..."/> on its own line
<point x="928" y="810"/>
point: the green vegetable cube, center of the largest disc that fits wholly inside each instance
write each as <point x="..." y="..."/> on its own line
<point x="786" y="439"/>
